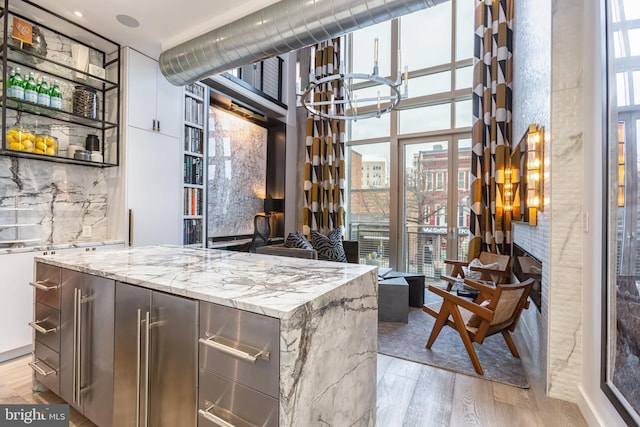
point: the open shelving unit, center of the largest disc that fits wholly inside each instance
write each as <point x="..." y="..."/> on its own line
<point x="50" y="55"/>
<point x="196" y="97"/>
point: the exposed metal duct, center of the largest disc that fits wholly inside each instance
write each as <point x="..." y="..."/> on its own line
<point x="280" y="28"/>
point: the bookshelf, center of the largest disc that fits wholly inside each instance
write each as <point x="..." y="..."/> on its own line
<point x="193" y="164"/>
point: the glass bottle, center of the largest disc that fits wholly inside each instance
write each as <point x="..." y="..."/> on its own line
<point x="17" y="89"/>
<point x="31" y="89"/>
<point x="10" y="81"/>
<point x="55" y="96"/>
<point x="44" y="97"/>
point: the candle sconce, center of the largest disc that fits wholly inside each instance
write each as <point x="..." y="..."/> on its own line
<point x="526" y="176"/>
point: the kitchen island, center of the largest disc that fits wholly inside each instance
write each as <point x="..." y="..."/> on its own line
<point x="325" y="314"/>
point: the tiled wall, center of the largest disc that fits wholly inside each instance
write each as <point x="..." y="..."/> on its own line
<point x="565" y="310"/>
<point x="531" y="105"/>
<point x="62" y="200"/>
<point x="547" y="91"/>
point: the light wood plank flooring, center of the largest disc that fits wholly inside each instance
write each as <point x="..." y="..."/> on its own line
<point x="409" y="394"/>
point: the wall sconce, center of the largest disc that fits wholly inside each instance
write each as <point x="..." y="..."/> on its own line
<point x="535" y="169"/>
<point x="621" y="134"/>
<point x="508" y="189"/>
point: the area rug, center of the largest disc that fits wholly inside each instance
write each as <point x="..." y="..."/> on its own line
<point x="407" y="341"/>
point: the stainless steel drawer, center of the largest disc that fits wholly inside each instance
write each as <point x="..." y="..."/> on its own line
<point x="234" y="403"/>
<point x="241" y="346"/>
<point x="47" y="326"/>
<point x="46" y="366"/>
<point x="47" y="284"/>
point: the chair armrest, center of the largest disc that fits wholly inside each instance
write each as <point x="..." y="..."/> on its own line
<point x="485" y="290"/>
<point x="456" y="262"/>
<point x="481" y="311"/>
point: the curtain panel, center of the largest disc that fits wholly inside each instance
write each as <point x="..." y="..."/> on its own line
<point x="324" y="172"/>
<point x="491" y="133"/>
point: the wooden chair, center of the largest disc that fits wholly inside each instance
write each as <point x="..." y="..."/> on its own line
<point x="494" y="310"/>
<point x="500" y="273"/>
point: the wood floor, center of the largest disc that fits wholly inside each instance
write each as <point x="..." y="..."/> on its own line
<point x="409" y="394"/>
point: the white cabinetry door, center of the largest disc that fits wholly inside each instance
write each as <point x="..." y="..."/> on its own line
<point x="16" y="304"/>
<point x="153" y="187"/>
<point x="153" y="103"/>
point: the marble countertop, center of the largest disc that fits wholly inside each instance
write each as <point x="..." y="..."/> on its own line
<point x="58" y="246"/>
<point x="271" y="285"/>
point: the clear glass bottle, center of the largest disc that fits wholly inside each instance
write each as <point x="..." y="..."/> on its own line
<point x="17" y="89"/>
<point x="31" y="89"/>
<point x="55" y="96"/>
<point x="10" y="81"/>
<point x="44" y="95"/>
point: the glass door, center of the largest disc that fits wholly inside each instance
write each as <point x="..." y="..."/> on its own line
<point x="435" y="202"/>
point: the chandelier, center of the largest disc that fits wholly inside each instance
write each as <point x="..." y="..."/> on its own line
<point x="345" y="105"/>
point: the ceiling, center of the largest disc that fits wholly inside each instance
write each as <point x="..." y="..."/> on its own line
<point x="163" y="23"/>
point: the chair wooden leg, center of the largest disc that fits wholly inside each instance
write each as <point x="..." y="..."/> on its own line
<point x="466" y="340"/>
<point x="441" y="320"/>
<point x="510" y="344"/>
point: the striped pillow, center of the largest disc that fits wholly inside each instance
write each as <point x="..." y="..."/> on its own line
<point x="297" y="240"/>
<point x="329" y="247"/>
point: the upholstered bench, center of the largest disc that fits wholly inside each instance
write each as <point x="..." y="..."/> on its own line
<point x="393" y="298"/>
<point x="351" y="249"/>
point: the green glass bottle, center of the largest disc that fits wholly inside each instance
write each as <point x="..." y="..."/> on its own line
<point x="31" y="89"/>
<point x="10" y="81"/>
<point x="44" y="97"/>
<point x="17" y="89"/>
<point x="55" y="96"/>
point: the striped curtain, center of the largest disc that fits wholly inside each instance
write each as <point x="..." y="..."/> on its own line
<point x="491" y="139"/>
<point x="324" y="172"/>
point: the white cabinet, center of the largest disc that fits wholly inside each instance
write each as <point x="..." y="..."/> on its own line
<point x="153" y="103"/>
<point x="153" y="188"/>
<point x="16" y="304"/>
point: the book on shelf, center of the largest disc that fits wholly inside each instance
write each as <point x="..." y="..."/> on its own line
<point x="192" y="231"/>
<point x="193" y="140"/>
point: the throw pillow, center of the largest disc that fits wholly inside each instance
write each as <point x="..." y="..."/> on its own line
<point x="475" y="275"/>
<point x="329" y="247"/>
<point x="297" y="240"/>
<point x="474" y="320"/>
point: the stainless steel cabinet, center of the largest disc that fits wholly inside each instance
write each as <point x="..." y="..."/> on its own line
<point x="155" y="371"/>
<point x="86" y="344"/>
<point x="239" y="367"/>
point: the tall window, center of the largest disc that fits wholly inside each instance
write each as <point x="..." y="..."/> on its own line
<point x="436" y="45"/>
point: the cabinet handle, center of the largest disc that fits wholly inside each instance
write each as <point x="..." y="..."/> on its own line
<point x="147" y="328"/>
<point x="138" y="353"/>
<point x="158" y="128"/>
<point x="130" y="227"/>
<point x="155" y="127"/>
<point x="36" y="325"/>
<point x="76" y="345"/>
<point x="206" y="414"/>
<point x="78" y="300"/>
<point x="42" y="285"/>
<point x="234" y="348"/>
<point x="38" y="369"/>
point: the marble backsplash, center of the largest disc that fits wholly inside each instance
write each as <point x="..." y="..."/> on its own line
<point x="61" y="200"/>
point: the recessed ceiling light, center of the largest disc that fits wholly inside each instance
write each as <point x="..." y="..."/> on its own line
<point x="78" y="14"/>
<point x="128" y="21"/>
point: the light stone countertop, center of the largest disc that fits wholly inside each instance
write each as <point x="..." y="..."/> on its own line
<point x="271" y="285"/>
<point x="58" y="246"/>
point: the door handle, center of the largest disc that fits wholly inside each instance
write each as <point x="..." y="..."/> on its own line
<point x="77" y="295"/>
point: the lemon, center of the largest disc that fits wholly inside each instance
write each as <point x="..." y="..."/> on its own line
<point x="16" y="146"/>
<point x="28" y="144"/>
<point x="38" y="151"/>
<point x="28" y="149"/>
<point x="40" y="145"/>
<point x="39" y="139"/>
<point x="11" y="139"/>
<point x="50" y="152"/>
